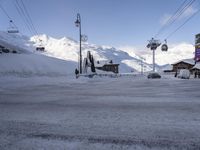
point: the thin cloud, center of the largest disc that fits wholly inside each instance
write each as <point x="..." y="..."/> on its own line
<point x="189" y="12"/>
<point x="164" y="19"/>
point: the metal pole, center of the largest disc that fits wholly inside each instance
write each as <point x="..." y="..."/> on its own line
<point x="153" y="60"/>
<point x="141" y="67"/>
<point x="80" y="53"/>
<point x="80" y="47"/>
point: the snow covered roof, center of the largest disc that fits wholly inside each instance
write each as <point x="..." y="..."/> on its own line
<point x="188" y="61"/>
<point x="167" y="67"/>
<point x="101" y="63"/>
<point x="197" y="66"/>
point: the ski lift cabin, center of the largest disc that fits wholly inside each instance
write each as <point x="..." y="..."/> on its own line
<point x="40" y="47"/>
<point x="164" y="47"/>
<point x="12" y="28"/>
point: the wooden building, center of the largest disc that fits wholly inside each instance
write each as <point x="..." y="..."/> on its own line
<point x="183" y="64"/>
<point x="110" y="67"/>
<point x="195" y="69"/>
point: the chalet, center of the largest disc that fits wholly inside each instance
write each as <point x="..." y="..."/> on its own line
<point x="183" y="64"/>
<point x="196" y="69"/>
<point x="107" y="66"/>
<point x="110" y="67"/>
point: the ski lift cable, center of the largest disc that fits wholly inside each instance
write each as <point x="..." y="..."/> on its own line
<point x="5" y="12"/>
<point x="31" y="22"/>
<point x="167" y="22"/>
<point x="169" y="35"/>
<point x="24" y="20"/>
<point x="23" y="17"/>
<point x="177" y="15"/>
<point x="183" y="11"/>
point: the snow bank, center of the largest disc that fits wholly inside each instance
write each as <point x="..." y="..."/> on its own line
<point x="16" y="42"/>
<point x="34" y="65"/>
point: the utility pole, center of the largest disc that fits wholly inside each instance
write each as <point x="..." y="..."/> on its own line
<point x="142" y="59"/>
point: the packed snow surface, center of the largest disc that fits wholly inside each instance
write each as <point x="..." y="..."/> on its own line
<point x="126" y="113"/>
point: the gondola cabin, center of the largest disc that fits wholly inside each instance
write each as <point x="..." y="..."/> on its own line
<point x="12" y="28"/>
<point x="13" y="31"/>
<point x="42" y="49"/>
<point x="164" y="48"/>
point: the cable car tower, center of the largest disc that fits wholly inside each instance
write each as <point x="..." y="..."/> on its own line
<point x="12" y="27"/>
<point x="153" y="45"/>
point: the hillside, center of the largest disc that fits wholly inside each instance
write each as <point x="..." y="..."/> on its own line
<point x="27" y="62"/>
<point x="68" y="49"/>
<point x="62" y="51"/>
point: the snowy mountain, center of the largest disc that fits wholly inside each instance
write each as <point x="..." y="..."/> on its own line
<point x="68" y="49"/>
<point x="60" y="56"/>
<point x="26" y="61"/>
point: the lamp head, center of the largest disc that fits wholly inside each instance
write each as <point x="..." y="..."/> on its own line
<point x="77" y="23"/>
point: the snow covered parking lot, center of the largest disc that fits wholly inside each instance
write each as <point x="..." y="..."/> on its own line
<point x="120" y="113"/>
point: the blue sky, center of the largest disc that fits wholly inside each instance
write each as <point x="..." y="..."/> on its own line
<point x="106" y="22"/>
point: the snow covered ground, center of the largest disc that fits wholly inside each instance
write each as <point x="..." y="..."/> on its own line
<point x="43" y="106"/>
<point x="27" y="65"/>
<point x="62" y="113"/>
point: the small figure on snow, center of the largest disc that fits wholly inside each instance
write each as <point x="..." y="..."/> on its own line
<point x="76" y="73"/>
<point x="195" y="74"/>
<point x="175" y="74"/>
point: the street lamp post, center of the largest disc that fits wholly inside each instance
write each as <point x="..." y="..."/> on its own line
<point x="78" y="24"/>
